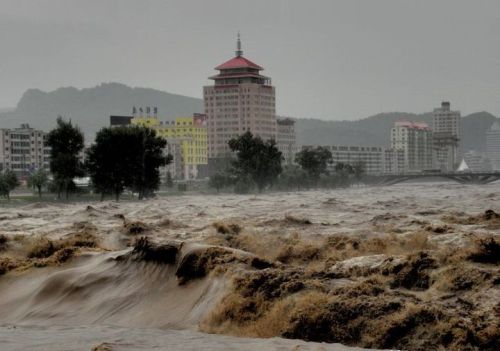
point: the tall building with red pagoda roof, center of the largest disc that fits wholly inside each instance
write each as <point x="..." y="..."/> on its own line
<point x="240" y="100"/>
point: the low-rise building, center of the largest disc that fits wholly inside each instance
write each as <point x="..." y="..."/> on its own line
<point x="23" y="150"/>
<point x="190" y="134"/>
<point x="371" y="157"/>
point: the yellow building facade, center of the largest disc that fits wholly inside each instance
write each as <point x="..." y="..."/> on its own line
<point x="189" y="134"/>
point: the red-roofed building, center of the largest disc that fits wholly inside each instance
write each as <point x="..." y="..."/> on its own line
<point x="241" y="99"/>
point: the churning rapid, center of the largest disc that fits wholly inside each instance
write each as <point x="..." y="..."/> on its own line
<point x="413" y="267"/>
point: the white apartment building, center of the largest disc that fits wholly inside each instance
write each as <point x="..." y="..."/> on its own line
<point x="286" y="139"/>
<point x="23" y="150"/>
<point x="493" y="145"/>
<point x="447" y="137"/>
<point x="415" y="140"/>
<point x="240" y="100"/>
<point x="371" y="157"/>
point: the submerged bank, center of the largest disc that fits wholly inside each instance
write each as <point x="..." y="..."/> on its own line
<point x="407" y="267"/>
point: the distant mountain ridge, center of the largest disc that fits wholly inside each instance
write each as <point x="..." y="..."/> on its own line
<point x="90" y="108"/>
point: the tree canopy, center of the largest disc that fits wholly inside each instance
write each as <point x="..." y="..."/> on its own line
<point x="8" y="182"/>
<point x="314" y="161"/>
<point x="38" y="180"/>
<point x="66" y="142"/>
<point x="126" y="157"/>
<point x="258" y="160"/>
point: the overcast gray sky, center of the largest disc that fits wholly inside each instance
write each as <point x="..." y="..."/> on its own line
<point x="328" y="59"/>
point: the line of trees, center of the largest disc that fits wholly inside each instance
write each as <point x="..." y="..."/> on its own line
<point x="257" y="164"/>
<point x="128" y="158"/>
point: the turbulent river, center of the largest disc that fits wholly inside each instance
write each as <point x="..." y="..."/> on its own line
<point x="371" y="267"/>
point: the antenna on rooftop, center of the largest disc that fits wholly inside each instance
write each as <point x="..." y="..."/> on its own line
<point x="239" y="52"/>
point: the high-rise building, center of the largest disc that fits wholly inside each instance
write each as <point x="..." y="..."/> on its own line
<point x="447" y="135"/>
<point x="23" y="150"/>
<point x="286" y="139"/>
<point x="493" y="145"/>
<point x="415" y="139"/>
<point x="240" y="100"/>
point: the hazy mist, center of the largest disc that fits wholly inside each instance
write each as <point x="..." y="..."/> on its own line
<point x="328" y="59"/>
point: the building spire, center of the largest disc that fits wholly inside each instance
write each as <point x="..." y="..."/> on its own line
<point x="239" y="52"/>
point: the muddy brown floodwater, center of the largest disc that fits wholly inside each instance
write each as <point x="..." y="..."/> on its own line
<point x="412" y="266"/>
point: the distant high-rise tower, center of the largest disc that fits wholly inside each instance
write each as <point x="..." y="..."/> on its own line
<point x="240" y="100"/>
<point x="447" y="137"/>
<point x="493" y="145"/>
<point x="415" y="139"/>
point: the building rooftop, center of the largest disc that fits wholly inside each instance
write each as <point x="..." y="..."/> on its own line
<point x="238" y="62"/>
<point x="413" y="125"/>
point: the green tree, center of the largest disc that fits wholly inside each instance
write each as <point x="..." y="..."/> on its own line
<point x="147" y="149"/>
<point x="126" y="157"/>
<point x="8" y="182"/>
<point x="66" y="142"/>
<point x="314" y="161"/>
<point x="109" y="161"/>
<point x="38" y="180"/>
<point x="258" y="160"/>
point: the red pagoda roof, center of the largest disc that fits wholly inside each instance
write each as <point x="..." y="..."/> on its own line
<point x="238" y="62"/>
